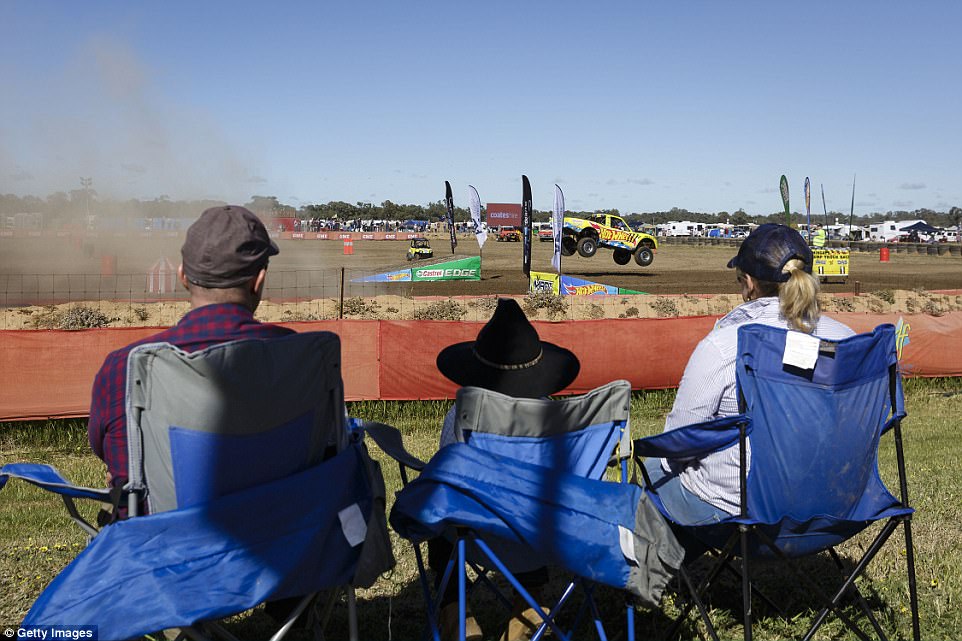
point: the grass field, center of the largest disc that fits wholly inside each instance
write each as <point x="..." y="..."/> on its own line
<point x="37" y="539"/>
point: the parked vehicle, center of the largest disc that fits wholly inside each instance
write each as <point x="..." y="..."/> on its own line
<point x="508" y="234"/>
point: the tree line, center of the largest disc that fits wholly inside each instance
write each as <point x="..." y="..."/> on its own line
<point x="73" y="206"/>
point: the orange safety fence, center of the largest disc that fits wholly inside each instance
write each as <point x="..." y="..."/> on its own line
<point x="48" y="373"/>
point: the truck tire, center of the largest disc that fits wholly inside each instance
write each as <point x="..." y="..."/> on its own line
<point x="644" y="256"/>
<point x="587" y="246"/>
<point x="621" y="256"/>
<point x="568" y="246"/>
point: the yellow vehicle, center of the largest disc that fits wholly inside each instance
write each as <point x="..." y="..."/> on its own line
<point x="586" y="235"/>
<point x="420" y="248"/>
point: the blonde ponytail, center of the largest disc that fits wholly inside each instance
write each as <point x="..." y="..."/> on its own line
<point x="798" y="297"/>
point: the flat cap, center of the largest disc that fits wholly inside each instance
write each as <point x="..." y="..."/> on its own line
<point x="226" y="247"/>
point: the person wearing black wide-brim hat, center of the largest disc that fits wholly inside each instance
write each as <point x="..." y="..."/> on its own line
<point x="507" y="357"/>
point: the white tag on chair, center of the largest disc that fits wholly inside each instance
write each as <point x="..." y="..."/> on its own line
<point x="353" y="524"/>
<point x="626" y="538"/>
<point x="801" y="350"/>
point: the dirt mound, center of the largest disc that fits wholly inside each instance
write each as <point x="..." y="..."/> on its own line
<point x="79" y="315"/>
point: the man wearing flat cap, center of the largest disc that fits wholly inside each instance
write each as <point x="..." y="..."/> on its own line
<point x="224" y="264"/>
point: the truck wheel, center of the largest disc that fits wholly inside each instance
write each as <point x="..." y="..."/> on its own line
<point x="587" y="246"/>
<point x="621" y="256"/>
<point x="568" y="246"/>
<point x="644" y="256"/>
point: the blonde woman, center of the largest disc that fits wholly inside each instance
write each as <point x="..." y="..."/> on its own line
<point x="774" y="270"/>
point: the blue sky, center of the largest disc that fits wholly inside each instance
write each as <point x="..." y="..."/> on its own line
<point x="638" y="106"/>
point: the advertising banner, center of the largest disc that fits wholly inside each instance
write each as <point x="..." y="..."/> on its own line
<point x="830" y="263"/>
<point x="403" y="275"/>
<point x="526" y="220"/>
<point x="504" y="214"/>
<point x="480" y="231"/>
<point x="557" y="224"/>
<point x="464" y="269"/>
<point x="561" y="285"/>
<point x="545" y="282"/>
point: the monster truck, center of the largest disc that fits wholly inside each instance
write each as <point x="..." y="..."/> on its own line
<point x="586" y="235"/>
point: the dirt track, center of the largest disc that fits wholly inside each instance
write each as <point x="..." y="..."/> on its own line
<point x="39" y="271"/>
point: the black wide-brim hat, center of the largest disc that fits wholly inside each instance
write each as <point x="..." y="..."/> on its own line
<point x="509" y="357"/>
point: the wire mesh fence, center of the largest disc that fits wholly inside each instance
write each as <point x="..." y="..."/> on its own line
<point x="52" y="301"/>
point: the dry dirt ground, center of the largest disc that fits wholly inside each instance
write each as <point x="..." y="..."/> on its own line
<point x="42" y="278"/>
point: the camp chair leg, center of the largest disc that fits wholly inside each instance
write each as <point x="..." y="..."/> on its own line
<point x="863" y="563"/>
<point x="758" y="593"/>
<point x="589" y="596"/>
<point x="702" y="610"/>
<point x="489" y="553"/>
<point x="722" y="559"/>
<point x="833" y="604"/>
<point x="352" y="613"/>
<point x="89" y="529"/>
<point x="298" y="610"/>
<point x="746" y="583"/>
<point x="462" y="596"/>
<point x="858" y="595"/>
<point x="431" y="611"/>
<point x="910" y="569"/>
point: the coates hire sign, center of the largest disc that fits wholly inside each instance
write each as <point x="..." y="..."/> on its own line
<point x="503" y="214"/>
<point x="464" y="269"/>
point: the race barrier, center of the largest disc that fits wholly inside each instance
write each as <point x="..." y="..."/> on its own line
<point x="48" y="373"/>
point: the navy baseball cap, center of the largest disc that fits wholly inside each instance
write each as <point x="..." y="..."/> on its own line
<point x="766" y="251"/>
<point x="226" y="247"/>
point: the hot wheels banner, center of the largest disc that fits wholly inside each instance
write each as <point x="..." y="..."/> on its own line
<point x="390" y="277"/>
<point x="561" y="285"/>
<point x="464" y="269"/>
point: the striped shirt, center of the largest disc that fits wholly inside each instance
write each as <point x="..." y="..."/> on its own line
<point x="198" y="329"/>
<point x="707" y="391"/>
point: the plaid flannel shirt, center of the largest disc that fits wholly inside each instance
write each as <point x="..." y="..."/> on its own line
<point x="198" y="329"/>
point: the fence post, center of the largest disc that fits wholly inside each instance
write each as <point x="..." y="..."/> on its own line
<point x="340" y="313"/>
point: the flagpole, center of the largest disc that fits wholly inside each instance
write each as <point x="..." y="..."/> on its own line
<point x="852" y="212"/>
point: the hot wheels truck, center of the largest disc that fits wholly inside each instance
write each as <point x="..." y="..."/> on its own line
<point x="586" y="235"/>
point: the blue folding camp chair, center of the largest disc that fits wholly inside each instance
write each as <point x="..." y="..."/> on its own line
<point x="523" y="489"/>
<point x="256" y="489"/>
<point x="812" y="436"/>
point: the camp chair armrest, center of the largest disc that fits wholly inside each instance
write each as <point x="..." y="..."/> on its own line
<point x="49" y="478"/>
<point x="388" y="438"/>
<point x="697" y="439"/>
